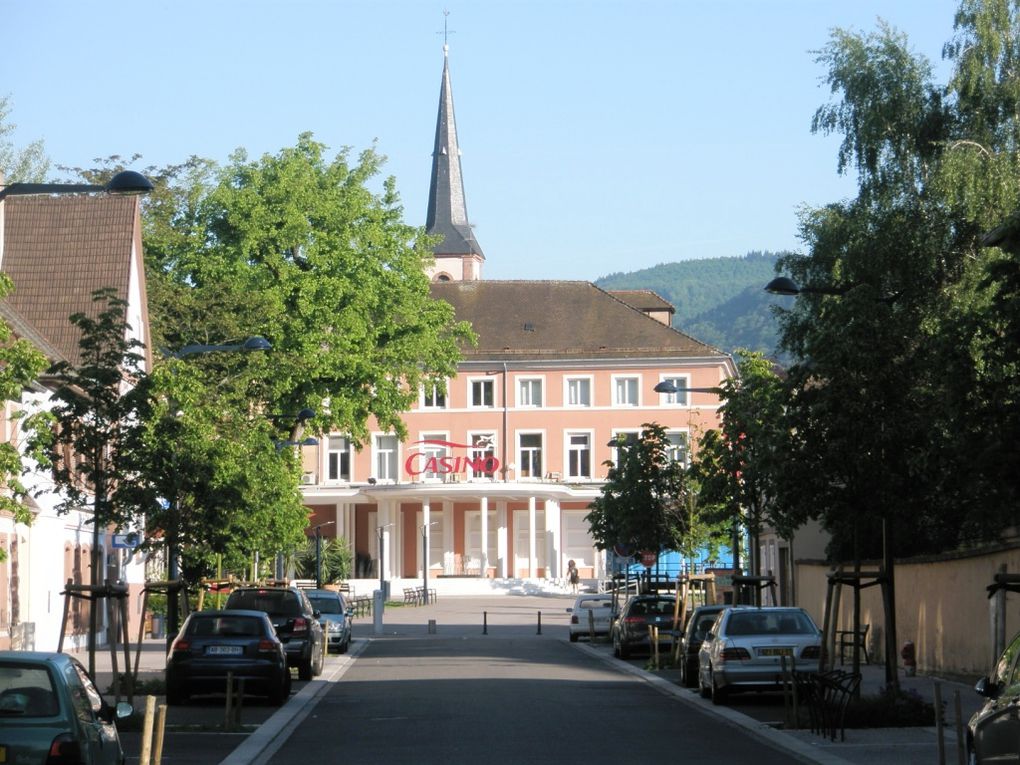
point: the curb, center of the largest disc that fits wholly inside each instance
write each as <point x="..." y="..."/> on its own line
<point x="263" y="743"/>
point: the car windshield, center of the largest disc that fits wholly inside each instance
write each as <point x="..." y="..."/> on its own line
<point x="226" y="626"/>
<point x="280" y="602"/>
<point x="770" y="623"/>
<point x="26" y="692"/>
<point x="325" y="605"/>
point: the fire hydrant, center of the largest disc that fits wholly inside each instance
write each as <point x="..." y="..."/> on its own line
<point x="909" y="659"/>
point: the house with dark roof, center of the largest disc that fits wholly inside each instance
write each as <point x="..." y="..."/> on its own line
<point x="500" y="467"/>
<point x="58" y="250"/>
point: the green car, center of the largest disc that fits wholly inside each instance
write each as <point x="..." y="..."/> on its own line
<point x="50" y="711"/>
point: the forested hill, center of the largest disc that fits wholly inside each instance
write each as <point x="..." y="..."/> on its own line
<point x="719" y="301"/>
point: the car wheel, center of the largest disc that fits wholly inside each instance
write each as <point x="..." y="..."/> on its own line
<point x="304" y="671"/>
<point x="624" y="651"/>
<point x="573" y="637"/>
<point x="718" y="694"/>
<point x="702" y="688"/>
<point x="280" y="693"/>
<point x="174" y="697"/>
<point x="345" y="645"/>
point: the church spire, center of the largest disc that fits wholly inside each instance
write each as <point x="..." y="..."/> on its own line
<point x="458" y="255"/>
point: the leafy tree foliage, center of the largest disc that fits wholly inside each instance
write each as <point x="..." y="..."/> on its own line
<point x="336" y="560"/>
<point x="28" y="164"/>
<point x="644" y="502"/>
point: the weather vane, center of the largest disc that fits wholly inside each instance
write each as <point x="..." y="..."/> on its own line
<point x="446" y="32"/>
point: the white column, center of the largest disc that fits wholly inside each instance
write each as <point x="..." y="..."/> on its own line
<point x="387" y="523"/>
<point x="449" y="562"/>
<point x="426" y="517"/>
<point x="485" y="535"/>
<point x="502" y="548"/>
<point x="554" y="565"/>
<point x="532" y="533"/>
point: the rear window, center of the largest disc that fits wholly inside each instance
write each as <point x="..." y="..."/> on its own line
<point x="279" y="602"/>
<point x="26" y="692"/>
<point x="226" y="626"/>
<point x="594" y="603"/>
<point x="770" y="623"/>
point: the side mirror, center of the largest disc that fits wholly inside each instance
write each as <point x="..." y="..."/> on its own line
<point x="985" y="687"/>
<point x="123" y="710"/>
<point x="570" y="610"/>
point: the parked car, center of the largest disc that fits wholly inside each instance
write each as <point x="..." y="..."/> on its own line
<point x="295" y="620"/>
<point x="699" y="623"/>
<point x="993" y="732"/>
<point x="212" y="644"/>
<point x="336" y="618"/>
<point x="600" y="608"/>
<point x="630" y="629"/>
<point x="748" y="646"/>
<point x="51" y="711"/>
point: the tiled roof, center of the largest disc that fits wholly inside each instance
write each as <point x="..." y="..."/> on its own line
<point x="538" y="320"/>
<point x="58" y="251"/>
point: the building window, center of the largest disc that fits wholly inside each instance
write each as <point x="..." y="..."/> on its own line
<point x="338" y="459"/>
<point x="529" y="447"/>
<point x="482" y="393"/>
<point x="385" y="458"/>
<point x="483" y="454"/>
<point x="678" y="446"/>
<point x="529" y="392"/>
<point x="433" y="452"/>
<point x="625" y="438"/>
<point x="680" y="397"/>
<point x="433" y="396"/>
<point x="625" y="391"/>
<point x="579" y="391"/>
<point x="579" y="455"/>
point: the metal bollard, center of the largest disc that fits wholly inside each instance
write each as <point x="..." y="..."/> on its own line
<point x="432" y="626"/>
<point x="485" y="622"/>
<point x="539" y="622"/>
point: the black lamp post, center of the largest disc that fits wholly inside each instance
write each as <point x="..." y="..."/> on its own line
<point x="124" y="183"/>
<point x="382" y="572"/>
<point x="318" y="553"/>
<point x="172" y="542"/>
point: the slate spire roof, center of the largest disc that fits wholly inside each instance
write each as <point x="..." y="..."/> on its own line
<point x="447" y="208"/>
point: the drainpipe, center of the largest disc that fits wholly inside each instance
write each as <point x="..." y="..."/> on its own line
<point x="505" y="462"/>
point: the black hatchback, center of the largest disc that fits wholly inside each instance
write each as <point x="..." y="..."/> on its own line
<point x="214" y="644"/>
<point x="295" y="620"/>
<point x="699" y="622"/>
<point x="630" y="630"/>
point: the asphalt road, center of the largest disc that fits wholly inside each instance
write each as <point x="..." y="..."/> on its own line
<point x="521" y="699"/>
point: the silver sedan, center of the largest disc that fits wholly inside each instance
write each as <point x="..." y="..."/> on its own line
<point x="748" y="649"/>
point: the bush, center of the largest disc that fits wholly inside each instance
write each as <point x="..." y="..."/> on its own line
<point x="890" y="709"/>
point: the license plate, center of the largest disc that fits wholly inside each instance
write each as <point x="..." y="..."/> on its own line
<point x="224" y="650"/>
<point x="775" y="652"/>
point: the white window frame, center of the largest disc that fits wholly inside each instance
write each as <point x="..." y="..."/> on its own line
<point x="568" y="450"/>
<point x="472" y="451"/>
<point x="567" y="386"/>
<point x="433" y="450"/>
<point x="633" y="379"/>
<point x="433" y="397"/>
<point x="489" y="382"/>
<point x="615" y="453"/>
<point x="526" y="388"/>
<point x="680" y="398"/>
<point x="328" y="454"/>
<point x="520" y="454"/>
<point x="377" y="453"/>
<point x="686" y="437"/>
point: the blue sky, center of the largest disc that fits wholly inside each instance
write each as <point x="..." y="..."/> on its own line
<point x="596" y="136"/>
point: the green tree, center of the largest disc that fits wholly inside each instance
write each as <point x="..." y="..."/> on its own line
<point x="19" y="165"/>
<point x="644" y="503"/>
<point x="96" y="418"/>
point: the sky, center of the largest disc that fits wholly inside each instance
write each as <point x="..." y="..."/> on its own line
<point x="596" y="136"/>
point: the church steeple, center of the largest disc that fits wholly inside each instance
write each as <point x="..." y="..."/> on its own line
<point x="458" y="255"/>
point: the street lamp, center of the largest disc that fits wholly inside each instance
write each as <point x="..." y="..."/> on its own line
<point x="173" y="568"/>
<point x="310" y="441"/>
<point x="425" y="560"/>
<point x="124" y="183"/>
<point x="318" y="553"/>
<point x="382" y="572"/>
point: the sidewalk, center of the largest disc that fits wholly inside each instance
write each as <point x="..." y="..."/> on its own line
<point x="194" y="737"/>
